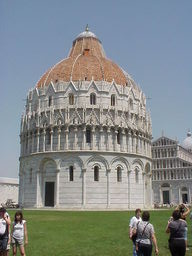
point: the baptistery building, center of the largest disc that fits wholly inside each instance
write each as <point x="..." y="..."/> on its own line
<point x="85" y="135"/>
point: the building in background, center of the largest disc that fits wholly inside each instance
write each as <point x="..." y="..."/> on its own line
<point x="86" y="135"/>
<point x="9" y="189"/>
<point x="172" y="170"/>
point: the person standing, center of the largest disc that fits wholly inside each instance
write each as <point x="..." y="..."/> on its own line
<point x="4" y="231"/>
<point x="133" y="223"/>
<point x="145" y="236"/>
<point x="9" y="236"/>
<point x="184" y="211"/>
<point x="19" y="234"/>
<point x="176" y="227"/>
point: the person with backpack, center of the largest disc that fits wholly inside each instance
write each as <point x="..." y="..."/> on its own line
<point x="133" y="222"/>
<point x="19" y="234"/>
<point x="5" y="223"/>
<point x="145" y="236"/>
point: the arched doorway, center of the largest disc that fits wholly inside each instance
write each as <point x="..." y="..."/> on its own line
<point x="48" y="183"/>
<point x="184" y="195"/>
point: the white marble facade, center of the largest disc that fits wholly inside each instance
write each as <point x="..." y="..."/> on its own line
<point x="9" y="188"/>
<point x="86" y="144"/>
<point x="171" y="172"/>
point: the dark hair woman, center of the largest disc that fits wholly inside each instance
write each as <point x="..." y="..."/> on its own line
<point x="145" y="236"/>
<point x="176" y="227"/>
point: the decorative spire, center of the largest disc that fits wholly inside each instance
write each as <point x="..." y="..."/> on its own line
<point x="87" y="28"/>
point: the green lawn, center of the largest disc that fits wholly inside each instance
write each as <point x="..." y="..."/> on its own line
<point x="55" y="233"/>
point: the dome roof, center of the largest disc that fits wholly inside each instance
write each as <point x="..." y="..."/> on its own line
<point x="187" y="143"/>
<point x="86" y="61"/>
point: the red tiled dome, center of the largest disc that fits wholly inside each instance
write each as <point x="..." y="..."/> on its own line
<point x="86" y="61"/>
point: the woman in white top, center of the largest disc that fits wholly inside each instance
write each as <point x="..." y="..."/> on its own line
<point x="19" y="234"/>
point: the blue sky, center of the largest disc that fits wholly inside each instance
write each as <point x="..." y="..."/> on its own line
<point x="151" y="40"/>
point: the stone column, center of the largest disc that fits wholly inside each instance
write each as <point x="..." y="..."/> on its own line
<point x="161" y="196"/>
<point x="57" y="188"/>
<point x="115" y="140"/>
<point x="84" y="138"/>
<point x="75" y="137"/>
<point x="108" y="133"/>
<point x="38" y="196"/>
<point x="189" y="191"/>
<point x="44" y="133"/>
<point x="33" y="142"/>
<point x="150" y="189"/>
<point x="66" y="138"/>
<point x="108" y="188"/>
<point x="134" y="143"/>
<point x="137" y="144"/>
<point x="58" y="138"/>
<point x="180" y="199"/>
<point x="38" y="134"/>
<point x="23" y="189"/>
<point x="128" y="189"/>
<point x="51" y="142"/>
<point x="100" y="137"/>
<point x="122" y="140"/>
<point x="83" y="187"/>
<point x="144" y="180"/>
<point x="170" y="194"/>
<point x="129" y="142"/>
<point x="93" y="137"/>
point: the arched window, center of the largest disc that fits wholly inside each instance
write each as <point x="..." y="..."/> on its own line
<point x="113" y="100"/>
<point x="92" y="99"/>
<point x="96" y="173"/>
<point x="71" y="99"/>
<point x="88" y="135"/>
<point x="50" y="101"/>
<point x="119" y="174"/>
<point x="118" y="137"/>
<point x="70" y="173"/>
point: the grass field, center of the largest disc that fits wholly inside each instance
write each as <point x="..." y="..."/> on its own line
<point x="78" y="233"/>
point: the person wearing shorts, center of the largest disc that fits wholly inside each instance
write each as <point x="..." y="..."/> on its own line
<point x="19" y="234"/>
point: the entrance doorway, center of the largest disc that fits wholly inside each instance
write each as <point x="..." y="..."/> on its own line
<point x="49" y="193"/>
<point x="185" y="198"/>
<point x="166" y="197"/>
<point x="184" y="194"/>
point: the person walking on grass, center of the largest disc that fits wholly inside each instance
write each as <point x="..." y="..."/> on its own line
<point x="176" y="227"/>
<point x="145" y="236"/>
<point x="133" y="222"/>
<point x="5" y="222"/>
<point x="19" y="234"/>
